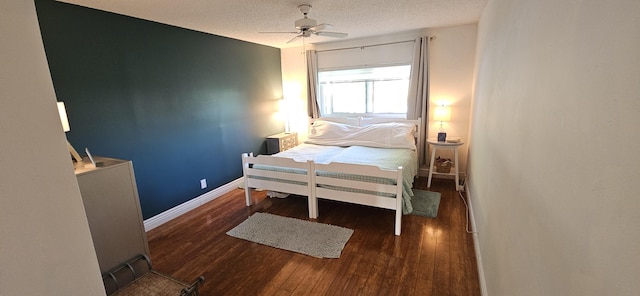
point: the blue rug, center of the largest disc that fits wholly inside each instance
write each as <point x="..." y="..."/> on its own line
<point x="425" y="203"/>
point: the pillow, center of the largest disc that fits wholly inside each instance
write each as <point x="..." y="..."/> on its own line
<point x="380" y="135"/>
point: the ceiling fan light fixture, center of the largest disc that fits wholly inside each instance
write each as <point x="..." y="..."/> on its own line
<point x="305" y="23"/>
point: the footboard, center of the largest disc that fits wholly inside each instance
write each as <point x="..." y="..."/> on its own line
<point x="359" y="184"/>
<point x="353" y="183"/>
<point x="276" y="174"/>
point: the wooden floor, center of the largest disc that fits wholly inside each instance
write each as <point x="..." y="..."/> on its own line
<point x="431" y="257"/>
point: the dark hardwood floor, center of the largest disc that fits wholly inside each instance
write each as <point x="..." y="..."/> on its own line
<point x="431" y="257"/>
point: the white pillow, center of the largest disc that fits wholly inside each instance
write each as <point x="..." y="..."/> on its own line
<point x="381" y="135"/>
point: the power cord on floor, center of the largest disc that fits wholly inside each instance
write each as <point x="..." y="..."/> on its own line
<point x="467" y="212"/>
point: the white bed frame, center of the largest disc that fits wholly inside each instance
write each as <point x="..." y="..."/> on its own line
<point x="315" y="187"/>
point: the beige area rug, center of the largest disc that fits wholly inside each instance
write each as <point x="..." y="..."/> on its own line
<point x="306" y="237"/>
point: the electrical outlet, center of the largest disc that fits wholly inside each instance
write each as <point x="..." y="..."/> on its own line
<point x="203" y="183"/>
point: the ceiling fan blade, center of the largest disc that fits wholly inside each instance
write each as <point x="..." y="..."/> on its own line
<point x="321" y="27"/>
<point x="331" y="34"/>
<point x="291" y="32"/>
<point x="294" y="38"/>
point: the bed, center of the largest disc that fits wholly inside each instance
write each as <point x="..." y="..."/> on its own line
<point x="368" y="162"/>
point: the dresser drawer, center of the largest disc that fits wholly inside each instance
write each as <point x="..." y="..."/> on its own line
<point x="288" y="143"/>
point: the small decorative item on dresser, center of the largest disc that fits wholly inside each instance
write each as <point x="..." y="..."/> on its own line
<point x="443" y="165"/>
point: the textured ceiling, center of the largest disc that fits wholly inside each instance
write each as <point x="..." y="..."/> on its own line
<point x="243" y="19"/>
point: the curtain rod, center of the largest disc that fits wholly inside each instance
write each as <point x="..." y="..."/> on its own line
<point x="365" y="46"/>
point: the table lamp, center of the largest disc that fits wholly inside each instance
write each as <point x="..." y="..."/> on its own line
<point x="442" y="114"/>
<point x="65" y="126"/>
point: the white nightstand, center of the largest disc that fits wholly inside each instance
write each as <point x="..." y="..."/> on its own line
<point x="435" y="145"/>
<point x="281" y="142"/>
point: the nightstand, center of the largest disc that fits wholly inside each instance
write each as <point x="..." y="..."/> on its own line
<point x="281" y="142"/>
<point x="435" y="145"/>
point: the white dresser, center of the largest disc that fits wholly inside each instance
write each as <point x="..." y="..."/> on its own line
<point x="111" y="202"/>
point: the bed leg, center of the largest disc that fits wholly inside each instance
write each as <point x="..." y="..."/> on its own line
<point x="398" y="221"/>
<point x="399" y="202"/>
<point x="313" y="207"/>
<point x="312" y="214"/>
<point x="312" y="199"/>
<point x="247" y="190"/>
<point x="247" y="194"/>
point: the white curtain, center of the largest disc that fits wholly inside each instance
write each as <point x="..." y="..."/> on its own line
<point x="312" y="77"/>
<point x="419" y="92"/>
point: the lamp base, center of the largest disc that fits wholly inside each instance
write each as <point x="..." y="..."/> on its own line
<point x="442" y="137"/>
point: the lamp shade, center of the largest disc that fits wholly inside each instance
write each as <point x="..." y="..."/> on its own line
<point x="63" y="116"/>
<point x="442" y="113"/>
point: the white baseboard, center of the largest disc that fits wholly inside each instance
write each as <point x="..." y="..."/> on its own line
<point x="476" y="245"/>
<point x="180" y="209"/>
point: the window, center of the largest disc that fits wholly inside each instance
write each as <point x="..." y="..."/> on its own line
<point x="378" y="91"/>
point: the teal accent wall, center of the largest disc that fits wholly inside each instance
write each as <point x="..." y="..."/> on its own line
<point x="182" y="105"/>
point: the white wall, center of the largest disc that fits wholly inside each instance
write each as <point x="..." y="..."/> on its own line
<point x="451" y="61"/>
<point x="294" y="87"/>
<point x="451" y="55"/>
<point x="554" y="162"/>
<point x="45" y="244"/>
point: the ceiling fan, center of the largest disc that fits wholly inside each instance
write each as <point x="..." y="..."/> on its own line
<point x="307" y="26"/>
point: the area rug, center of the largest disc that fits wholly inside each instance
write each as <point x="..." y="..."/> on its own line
<point x="425" y="203"/>
<point x="306" y="237"/>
